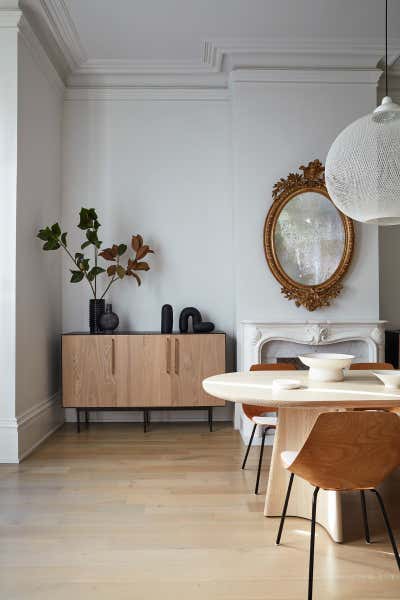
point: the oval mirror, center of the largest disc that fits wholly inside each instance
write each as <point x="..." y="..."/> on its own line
<point x="308" y="242"/>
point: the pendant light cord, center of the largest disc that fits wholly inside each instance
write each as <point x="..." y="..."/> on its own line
<point x="386" y="48"/>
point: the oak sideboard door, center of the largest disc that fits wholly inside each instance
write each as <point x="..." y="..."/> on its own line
<point x="89" y="370"/>
<point x="144" y="370"/>
<point x="195" y="357"/>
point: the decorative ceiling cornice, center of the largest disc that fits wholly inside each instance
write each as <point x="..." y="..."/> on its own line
<point x="220" y="57"/>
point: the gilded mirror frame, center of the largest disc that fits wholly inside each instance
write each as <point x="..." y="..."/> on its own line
<point x="310" y="296"/>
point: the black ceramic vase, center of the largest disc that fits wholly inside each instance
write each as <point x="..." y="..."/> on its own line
<point x="108" y="320"/>
<point x="96" y="309"/>
<point x="167" y="318"/>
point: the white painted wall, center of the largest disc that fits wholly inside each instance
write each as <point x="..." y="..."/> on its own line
<point x="160" y="168"/>
<point x="8" y="202"/>
<point x="389" y="250"/>
<point x="38" y="274"/>
<point x="282" y="120"/>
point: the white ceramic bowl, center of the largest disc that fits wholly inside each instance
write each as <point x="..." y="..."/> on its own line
<point x="326" y="366"/>
<point x="390" y="378"/>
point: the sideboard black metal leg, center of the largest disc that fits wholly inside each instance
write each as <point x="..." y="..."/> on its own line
<point x="87" y="419"/>
<point x="78" y="421"/>
<point x="148" y="417"/>
<point x="145" y="417"/>
<point x="210" y="417"/>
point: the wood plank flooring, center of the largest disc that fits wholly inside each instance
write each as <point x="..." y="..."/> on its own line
<point x="116" y="514"/>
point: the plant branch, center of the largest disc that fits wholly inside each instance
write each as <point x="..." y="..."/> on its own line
<point x="74" y="261"/>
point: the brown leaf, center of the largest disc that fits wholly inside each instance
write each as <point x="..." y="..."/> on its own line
<point x="114" y="250"/>
<point x="112" y="269"/>
<point x="137" y="242"/>
<point x="131" y="264"/>
<point x="139" y="282"/>
<point x="120" y="272"/>
<point x="107" y="254"/>
<point x="142" y="266"/>
<point x="143" y="250"/>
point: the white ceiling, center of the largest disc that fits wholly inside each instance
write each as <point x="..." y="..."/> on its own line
<point x="174" y="30"/>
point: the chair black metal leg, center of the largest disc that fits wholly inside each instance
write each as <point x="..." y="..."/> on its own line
<point x="87" y="419"/>
<point x="365" y="516"/>
<point x="210" y="417"/>
<point x="260" y="460"/>
<point x="78" y="420"/>
<point x="388" y="527"/>
<point x="249" y="446"/>
<point x="312" y="544"/>
<point x="278" y="537"/>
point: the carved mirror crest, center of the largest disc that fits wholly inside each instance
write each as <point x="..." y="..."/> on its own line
<point x="308" y="242"/>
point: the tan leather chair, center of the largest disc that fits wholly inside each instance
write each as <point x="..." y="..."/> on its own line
<point x="255" y="414"/>
<point x="379" y="366"/>
<point x="346" y="451"/>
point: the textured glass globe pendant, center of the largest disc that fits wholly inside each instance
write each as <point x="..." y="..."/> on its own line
<point x="362" y="169"/>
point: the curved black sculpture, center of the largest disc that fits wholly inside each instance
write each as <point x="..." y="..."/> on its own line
<point x="198" y="325"/>
<point x="167" y="318"/>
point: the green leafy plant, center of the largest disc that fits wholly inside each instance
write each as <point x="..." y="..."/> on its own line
<point x="54" y="239"/>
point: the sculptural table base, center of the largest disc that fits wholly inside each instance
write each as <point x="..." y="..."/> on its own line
<point x="294" y="425"/>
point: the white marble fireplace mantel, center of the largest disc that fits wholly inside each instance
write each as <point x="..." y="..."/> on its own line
<point x="264" y="342"/>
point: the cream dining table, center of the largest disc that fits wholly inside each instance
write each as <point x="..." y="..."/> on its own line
<point x="297" y="411"/>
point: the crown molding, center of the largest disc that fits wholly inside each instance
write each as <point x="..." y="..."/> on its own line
<point x="148" y="93"/>
<point x="306" y="76"/>
<point x="40" y="56"/>
<point x="313" y="53"/>
<point x="9" y="18"/>
<point x="138" y="74"/>
<point x="59" y="23"/>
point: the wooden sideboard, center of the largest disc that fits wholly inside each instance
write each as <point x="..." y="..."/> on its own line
<point x="140" y="371"/>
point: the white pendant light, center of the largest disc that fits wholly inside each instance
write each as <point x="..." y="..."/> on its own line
<point x="362" y="169"/>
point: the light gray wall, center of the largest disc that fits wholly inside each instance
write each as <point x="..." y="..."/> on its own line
<point x="389" y="248"/>
<point x="38" y="274"/>
<point x="277" y="127"/>
<point x="162" y="169"/>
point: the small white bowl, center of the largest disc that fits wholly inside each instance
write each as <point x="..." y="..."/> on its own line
<point x="390" y="378"/>
<point x="325" y="366"/>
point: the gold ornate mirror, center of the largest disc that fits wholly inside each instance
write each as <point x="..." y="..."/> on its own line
<point x="308" y="242"/>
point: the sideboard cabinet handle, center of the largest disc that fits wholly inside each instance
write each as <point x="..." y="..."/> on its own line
<point x="168" y="355"/>
<point x="113" y="356"/>
<point x="176" y="356"/>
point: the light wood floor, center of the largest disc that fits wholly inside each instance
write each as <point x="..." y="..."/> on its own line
<point x="115" y="514"/>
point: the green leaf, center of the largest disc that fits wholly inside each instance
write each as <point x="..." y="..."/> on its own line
<point x="92" y="238"/>
<point x="83" y="264"/>
<point x="77" y="276"/>
<point x="78" y="256"/>
<point x="55" y="229"/>
<point x="120" y="272"/>
<point x="121" y="249"/>
<point x="45" y="234"/>
<point x="64" y="239"/>
<point x="94" y="271"/>
<point x="51" y="245"/>
<point x="88" y="219"/>
<point x="85" y="245"/>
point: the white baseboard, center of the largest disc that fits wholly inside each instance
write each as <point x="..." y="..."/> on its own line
<point x="38" y="423"/>
<point x="21" y="435"/>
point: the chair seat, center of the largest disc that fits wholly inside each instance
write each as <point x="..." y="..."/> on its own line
<point x="266" y="421"/>
<point x="288" y="457"/>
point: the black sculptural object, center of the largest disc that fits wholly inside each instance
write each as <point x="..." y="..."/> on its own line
<point x="167" y="318"/>
<point x="198" y="325"/>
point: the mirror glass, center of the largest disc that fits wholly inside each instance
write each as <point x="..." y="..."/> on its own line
<point x="309" y="238"/>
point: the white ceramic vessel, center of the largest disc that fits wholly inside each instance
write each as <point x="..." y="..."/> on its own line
<point x="326" y="366"/>
<point x="390" y="378"/>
